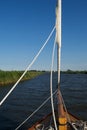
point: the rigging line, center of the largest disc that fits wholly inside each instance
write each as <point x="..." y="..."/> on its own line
<point x="28" y="67"/>
<point x="65" y="108"/>
<point x="68" y="117"/>
<point x="35" y="111"/>
<point x="51" y="90"/>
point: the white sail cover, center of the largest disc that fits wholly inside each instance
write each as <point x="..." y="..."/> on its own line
<point x="58" y="23"/>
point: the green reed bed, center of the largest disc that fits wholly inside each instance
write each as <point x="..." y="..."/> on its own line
<point x="8" y="77"/>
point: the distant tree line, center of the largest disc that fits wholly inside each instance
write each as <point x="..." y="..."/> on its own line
<point x="74" y="72"/>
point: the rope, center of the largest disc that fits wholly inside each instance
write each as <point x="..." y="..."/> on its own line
<point x="67" y="115"/>
<point x="27" y="67"/>
<point x="35" y="111"/>
<point x="65" y="108"/>
<point x="51" y="90"/>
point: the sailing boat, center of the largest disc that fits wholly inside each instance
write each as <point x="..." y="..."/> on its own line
<point x="60" y="119"/>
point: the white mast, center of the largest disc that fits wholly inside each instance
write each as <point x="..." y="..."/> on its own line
<point x="58" y="37"/>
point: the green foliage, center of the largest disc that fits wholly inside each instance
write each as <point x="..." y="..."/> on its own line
<point x="74" y="72"/>
<point x="8" y="77"/>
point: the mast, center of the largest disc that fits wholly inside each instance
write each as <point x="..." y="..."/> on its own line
<point x="58" y="38"/>
<point x="61" y="113"/>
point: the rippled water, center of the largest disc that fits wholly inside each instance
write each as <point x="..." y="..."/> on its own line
<point x="28" y="95"/>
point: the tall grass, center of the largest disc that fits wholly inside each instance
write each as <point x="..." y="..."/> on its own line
<point x="8" y="77"/>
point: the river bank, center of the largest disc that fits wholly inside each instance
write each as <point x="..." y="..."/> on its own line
<point x="10" y="77"/>
<point x="30" y="94"/>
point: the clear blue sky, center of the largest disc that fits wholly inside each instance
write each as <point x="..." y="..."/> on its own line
<point x="25" y="25"/>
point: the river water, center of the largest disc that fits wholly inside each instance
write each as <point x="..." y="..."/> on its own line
<point x="29" y="94"/>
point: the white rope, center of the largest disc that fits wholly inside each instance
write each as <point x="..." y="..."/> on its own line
<point x="68" y="117"/>
<point x="51" y="90"/>
<point x="27" y="67"/>
<point x="35" y="111"/>
<point x="65" y="108"/>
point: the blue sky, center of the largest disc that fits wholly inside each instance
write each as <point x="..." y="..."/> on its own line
<point x="25" y="25"/>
